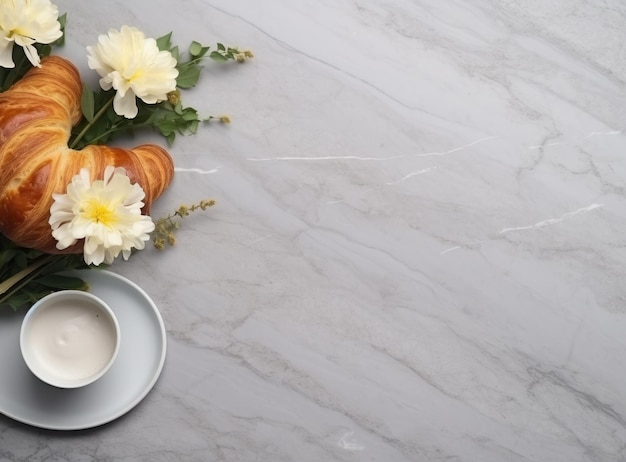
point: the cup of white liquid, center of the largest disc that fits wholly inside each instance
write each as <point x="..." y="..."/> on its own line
<point x="70" y="338"/>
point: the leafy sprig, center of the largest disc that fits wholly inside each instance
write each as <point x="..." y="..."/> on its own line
<point x="28" y="275"/>
<point x="100" y="123"/>
<point x="165" y="227"/>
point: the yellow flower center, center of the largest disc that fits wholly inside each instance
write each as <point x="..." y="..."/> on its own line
<point x="99" y="212"/>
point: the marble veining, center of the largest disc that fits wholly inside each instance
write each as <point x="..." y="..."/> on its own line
<point x="419" y="244"/>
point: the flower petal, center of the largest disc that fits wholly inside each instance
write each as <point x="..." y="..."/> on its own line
<point x="125" y="105"/>
<point x="33" y="56"/>
<point x="6" y="53"/>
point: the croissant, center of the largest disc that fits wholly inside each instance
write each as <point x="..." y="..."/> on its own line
<point x="36" y="118"/>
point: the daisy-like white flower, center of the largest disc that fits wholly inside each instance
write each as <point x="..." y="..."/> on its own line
<point x="134" y="66"/>
<point x="26" y="22"/>
<point x="105" y="213"/>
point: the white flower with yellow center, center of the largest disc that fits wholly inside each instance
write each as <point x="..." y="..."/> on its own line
<point x="26" y="22"/>
<point x="105" y="213"/>
<point x="134" y="66"/>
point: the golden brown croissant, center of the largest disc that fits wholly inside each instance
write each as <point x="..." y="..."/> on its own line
<point x="36" y="119"/>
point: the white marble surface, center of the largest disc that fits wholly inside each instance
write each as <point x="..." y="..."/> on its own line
<point x="419" y="246"/>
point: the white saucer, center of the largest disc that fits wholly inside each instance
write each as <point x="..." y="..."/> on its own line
<point x="25" y="398"/>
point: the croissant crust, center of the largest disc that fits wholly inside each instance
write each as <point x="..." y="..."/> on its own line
<point x="36" y="119"/>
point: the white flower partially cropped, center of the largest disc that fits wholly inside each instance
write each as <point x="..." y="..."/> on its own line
<point x="26" y="22"/>
<point x="134" y="66"/>
<point x="106" y="213"/>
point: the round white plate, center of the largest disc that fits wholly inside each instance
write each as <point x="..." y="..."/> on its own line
<point x="25" y="398"/>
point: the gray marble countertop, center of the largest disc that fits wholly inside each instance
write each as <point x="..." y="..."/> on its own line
<point x="419" y="245"/>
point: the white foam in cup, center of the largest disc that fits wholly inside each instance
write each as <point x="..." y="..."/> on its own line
<point x="70" y="338"/>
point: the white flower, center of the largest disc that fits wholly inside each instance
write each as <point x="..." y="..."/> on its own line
<point x="134" y="66"/>
<point x="26" y="22"/>
<point x="106" y="213"/>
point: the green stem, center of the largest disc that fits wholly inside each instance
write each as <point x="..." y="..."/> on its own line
<point x="90" y="124"/>
<point x="116" y="128"/>
<point x="195" y="60"/>
<point x="119" y="127"/>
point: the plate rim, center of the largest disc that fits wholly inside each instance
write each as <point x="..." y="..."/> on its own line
<point x="149" y="386"/>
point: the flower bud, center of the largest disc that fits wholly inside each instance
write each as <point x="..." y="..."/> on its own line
<point x="173" y="97"/>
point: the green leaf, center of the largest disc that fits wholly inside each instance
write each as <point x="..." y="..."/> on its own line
<point x="44" y="50"/>
<point x="218" y="57"/>
<point x="164" y="43"/>
<point x="188" y="76"/>
<point x="203" y="52"/>
<point x="221" y="47"/>
<point x="60" y="282"/>
<point x="20" y="260"/>
<point x="87" y="103"/>
<point x="175" y="53"/>
<point x="20" y="299"/>
<point x="63" y="20"/>
<point x="190" y="114"/>
<point x="195" y="49"/>
<point x="7" y="256"/>
<point x="167" y="127"/>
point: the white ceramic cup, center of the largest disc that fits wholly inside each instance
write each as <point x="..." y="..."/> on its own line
<point x="70" y="338"/>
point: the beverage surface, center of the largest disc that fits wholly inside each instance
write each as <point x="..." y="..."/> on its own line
<point x="72" y="340"/>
